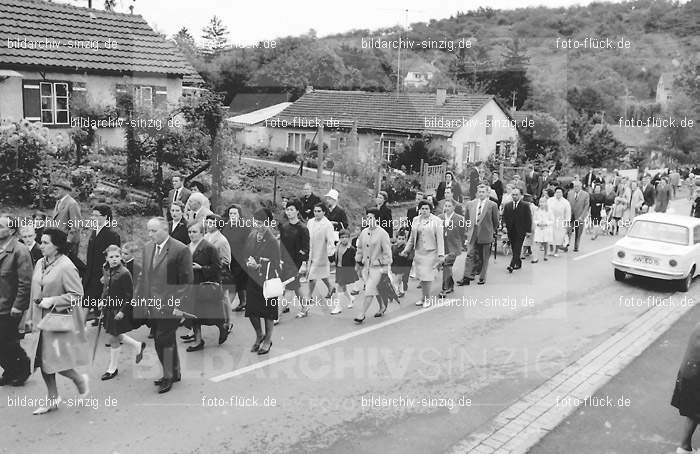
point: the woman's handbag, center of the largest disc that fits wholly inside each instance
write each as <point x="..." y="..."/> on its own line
<point x="272" y="288"/>
<point x="57" y="322"/>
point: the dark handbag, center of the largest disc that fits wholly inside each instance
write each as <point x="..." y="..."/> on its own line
<point x="209" y="301"/>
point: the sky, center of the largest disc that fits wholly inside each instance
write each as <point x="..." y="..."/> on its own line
<point x="252" y="21"/>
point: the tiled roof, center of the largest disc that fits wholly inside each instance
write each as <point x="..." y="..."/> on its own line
<point x="404" y="112"/>
<point x="139" y="48"/>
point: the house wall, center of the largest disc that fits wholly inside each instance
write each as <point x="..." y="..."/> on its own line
<point x="278" y="139"/>
<point x="100" y="90"/>
<point x="475" y="131"/>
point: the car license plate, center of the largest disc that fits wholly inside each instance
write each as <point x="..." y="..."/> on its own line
<point x="645" y="259"/>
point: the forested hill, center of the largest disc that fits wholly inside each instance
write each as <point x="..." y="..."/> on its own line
<point x="511" y="51"/>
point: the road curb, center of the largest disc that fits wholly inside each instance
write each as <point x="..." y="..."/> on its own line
<point x="520" y="426"/>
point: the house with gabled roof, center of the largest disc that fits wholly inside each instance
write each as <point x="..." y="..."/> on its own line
<point x="52" y="55"/>
<point x="469" y="128"/>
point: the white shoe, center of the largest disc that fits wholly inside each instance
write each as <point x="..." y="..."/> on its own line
<point x="54" y="406"/>
<point x="420" y="302"/>
<point x="680" y="450"/>
<point x="336" y="311"/>
<point x="276" y="322"/>
<point x="349" y="306"/>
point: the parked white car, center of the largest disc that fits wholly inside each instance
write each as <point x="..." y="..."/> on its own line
<point x="661" y="246"/>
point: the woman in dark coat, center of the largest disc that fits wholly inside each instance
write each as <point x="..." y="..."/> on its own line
<point x="236" y="232"/>
<point x="207" y="300"/>
<point x="263" y="262"/>
<point x="178" y="226"/>
<point x="294" y="249"/>
<point x="686" y="394"/>
<point x="117" y="316"/>
<point x="385" y="219"/>
<point x="101" y="237"/>
<point x="597" y="203"/>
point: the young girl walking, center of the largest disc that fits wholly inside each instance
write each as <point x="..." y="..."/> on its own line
<point x="116" y="306"/>
<point x="345" y="272"/>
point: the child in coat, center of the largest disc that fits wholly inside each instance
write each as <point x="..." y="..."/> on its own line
<point x="345" y="272"/>
<point x="117" y="293"/>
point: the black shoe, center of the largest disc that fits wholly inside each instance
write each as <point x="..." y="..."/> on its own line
<point x="96" y="322"/>
<point x="187" y="337"/>
<point x="442" y="295"/>
<point x="256" y="346"/>
<point x="465" y="281"/>
<point x="285" y="310"/>
<point x="223" y="333"/>
<point x="575" y="249"/>
<point x="355" y="292"/>
<point x="517" y="267"/>
<point x="109" y="375"/>
<point x="5" y="380"/>
<point x="21" y="379"/>
<point x="449" y="290"/>
<point x="162" y="379"/>
<point x="359" y="320"/>
<point x="139" y="355"/>
<point x="165" y="386"/>
<point x="481" y="281"/>
<point x="510" y="269"/>
<point x="264" y="349"/>
<point x="239" y="308"/>
<point x="196" y="348"/>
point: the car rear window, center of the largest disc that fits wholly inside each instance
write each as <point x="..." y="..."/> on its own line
<point x="659" y="231"/>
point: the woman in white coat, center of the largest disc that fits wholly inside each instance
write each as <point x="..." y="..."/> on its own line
<point x="321" y="246"/>
<point x="561" y="211"/>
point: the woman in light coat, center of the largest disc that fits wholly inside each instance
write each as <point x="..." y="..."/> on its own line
<point x="428" y="242"/>
<point x="561" y="211"/>
<point x="374" y="254"/>
<point x="56" y="286"/>
<point x="321" y="246"/>
<point x="621" y="208"/>
<point x="637" y="200"/>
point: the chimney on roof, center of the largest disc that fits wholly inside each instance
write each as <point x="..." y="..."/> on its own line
<point x="440" y="96"/>
<point x="309" y="89"/>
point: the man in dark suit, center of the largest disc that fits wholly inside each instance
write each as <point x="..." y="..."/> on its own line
<point x="456" y="206"/>
<point x="590" y="179"/>
<point x="497" y="185"/>
<point x="484" y="223"/>
<point x="166" y="277"/>
<point x="532" y="182"/>
<point x="27" y="234"/>
<point x="649" y="193"/>
<point x="16" y="271"/>
<point x="580" y="207"/>
<point x="101" y="237"/>
<point x="178" y="193"/>
<point x="308" y="200"/>
<point x="518" y="220"/>
<point x="66" y="215"/>
<point x="413" y="211"/>
<point x="178" y="225"/>
<point x="454" y="231"/>
<point x="449" y="183"/>
<point x="474" y="180"/>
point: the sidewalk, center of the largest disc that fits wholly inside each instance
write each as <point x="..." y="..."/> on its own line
<point x="645" y="423"/>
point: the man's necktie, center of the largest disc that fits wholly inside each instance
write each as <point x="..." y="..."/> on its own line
<point x="478" y="213"/>
<point x="156" y="253"/>
<point x="176" y="195"/>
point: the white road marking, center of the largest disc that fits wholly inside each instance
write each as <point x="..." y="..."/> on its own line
<point x="319" y="345"/>
<point x="581" y="257"/>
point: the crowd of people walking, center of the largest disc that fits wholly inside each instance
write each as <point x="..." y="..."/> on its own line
<point x="198" y="269"/>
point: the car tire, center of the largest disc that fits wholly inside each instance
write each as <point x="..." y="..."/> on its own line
<point x="619" y="275"/>
<point x="684" y="284"/>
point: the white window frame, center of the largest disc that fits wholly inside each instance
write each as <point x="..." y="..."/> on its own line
<point x="388" y="148"/>
<point x="296" y="141"/>
<point x="470" y="152"/>
<point x="141" y="99"/>
<point x="53" y="97"/>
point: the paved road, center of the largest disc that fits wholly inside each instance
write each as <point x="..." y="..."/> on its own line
<point x="633" y="411"/>
<point x="449" y="368"/>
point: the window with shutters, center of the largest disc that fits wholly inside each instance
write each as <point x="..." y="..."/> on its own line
<point x="47" y="102"/>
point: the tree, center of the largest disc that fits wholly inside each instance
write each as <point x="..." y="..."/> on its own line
<point x="599" y="149"/>
<point x="110" y="5"/>
<point x="185" y="42"/>
<point x="215" y="35"/>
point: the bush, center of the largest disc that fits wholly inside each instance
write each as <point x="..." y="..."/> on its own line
<point x="84" y="181"/>
<point x="287" y="156"/>
<point x="129" y="209"/>
<point x="24" y="147"/>
<point x="401" y="188"/>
